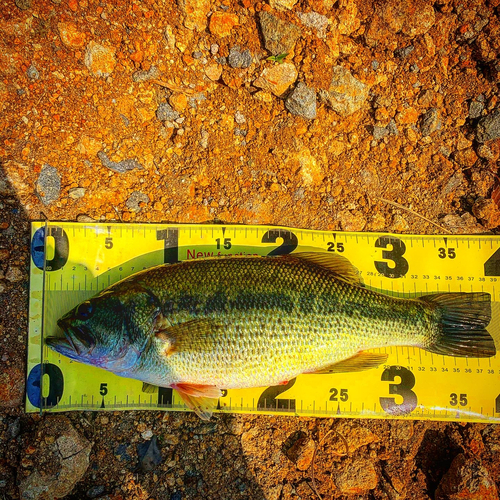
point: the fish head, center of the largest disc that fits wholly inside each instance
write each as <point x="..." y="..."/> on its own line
<point x="109" y="330"/>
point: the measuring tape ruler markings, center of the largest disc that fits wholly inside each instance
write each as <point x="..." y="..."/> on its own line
<point x="384" y="262"/>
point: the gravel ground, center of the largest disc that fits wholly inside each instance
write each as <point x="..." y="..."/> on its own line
<point x="319" y="114"/>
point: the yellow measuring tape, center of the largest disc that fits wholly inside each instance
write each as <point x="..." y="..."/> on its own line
<point x="83" y="259"/>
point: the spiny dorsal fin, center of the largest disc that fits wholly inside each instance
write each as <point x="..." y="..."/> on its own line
<point x="357" y="363"/>
<point x="335" y="263"/>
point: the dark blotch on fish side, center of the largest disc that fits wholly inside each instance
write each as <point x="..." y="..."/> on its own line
<point x="216" y="303"/>
<point x="189" y="303"/>
<point x="272" y="300"/>
<point x="168" y="307"/>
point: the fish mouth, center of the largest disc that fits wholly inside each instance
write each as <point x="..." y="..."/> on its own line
<point x="77" y="340"/>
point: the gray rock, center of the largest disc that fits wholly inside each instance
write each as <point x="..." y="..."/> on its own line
<point x="144" y="76"/>
<point x="375" y="65"/>
<point x="95" y="491"/>
<point x="149" y="454"/>
<point x="430" y="122"/>
<point x="23" y="4"/>
<point x="56" y="442"/>
<point x="165" y="112"/>
<point x="485" y="152"/>
<point x="196" y="99"/>
<point x="488" y="127"/>
<point x="299" y="194"/>
<point x="75" y="193"/>
<point x="404" y="52"/>
<point x="462" y="224"/>
<point x="133" y="203"/>
<point x="14" y="274"/>
<point x="14" y="428"/>
<point x="475" y="109"/>
<point x="48" y="185"/>
<point x="302" y="101"/>
<point x="32" y="73"/>
<point x="84" y="218"/>
<point x="118" y="166"/>
<point x="279" y="36"/>
<point x="315" y="21"/>
<point x="392" y="127"/>
<point x="379" y="132"/>
<point x="346" y="94"/>
<point x="239" y="59"/>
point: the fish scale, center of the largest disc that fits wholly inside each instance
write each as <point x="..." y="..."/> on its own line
<point x="325" y="320"/>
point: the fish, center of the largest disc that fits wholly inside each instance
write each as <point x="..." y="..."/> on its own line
<point x="202" y="326"/>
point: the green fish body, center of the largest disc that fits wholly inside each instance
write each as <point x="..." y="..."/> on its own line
<point x="205" y="325"/>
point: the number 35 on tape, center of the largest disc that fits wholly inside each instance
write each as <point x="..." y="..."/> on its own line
<point x="82" y="259"/>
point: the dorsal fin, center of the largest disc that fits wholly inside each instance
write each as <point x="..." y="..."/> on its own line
<point x="335" y="263"/>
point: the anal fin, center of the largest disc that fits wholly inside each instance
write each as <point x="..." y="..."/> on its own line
<point x="357" y="363"/>
<point x="202" y="399"/>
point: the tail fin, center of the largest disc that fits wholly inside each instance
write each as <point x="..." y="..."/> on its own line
<point x="464" y="318"/>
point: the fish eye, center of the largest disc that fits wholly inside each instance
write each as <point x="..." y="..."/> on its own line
<point x="84" y="310"/>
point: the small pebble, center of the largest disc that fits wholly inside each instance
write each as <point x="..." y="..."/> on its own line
<point x="238" y="58"/>
<point x="135" y="199"/>
<point x="488" y="127"/>
<point x="118" y="166"/>
<point x="32" y="73"/>
<point x="405" y="52"/>
<point x="302" y="101"/>
<point x="166" y="112"/>
<point x="95" y="491"/>
<point x="147" y="434"/>
<point x="14" y="274"/>
<point x="430" y="122"/>
<point x="23" y="4"/>
<point x="475" y="109"/>
<point x="379" y="132"/>
<point x="239" y="118"/>
<point x="76" y="193"/>
<point x="48" y="185"/>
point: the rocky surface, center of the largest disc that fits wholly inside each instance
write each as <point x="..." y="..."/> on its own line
<point x="195" y="111"/>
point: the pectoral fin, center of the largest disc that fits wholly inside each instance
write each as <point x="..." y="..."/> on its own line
<point x="202" y="399"/>
<point x="188" y="336"/>
<point x="148" y="388"/>
<point x="357" y="363"/>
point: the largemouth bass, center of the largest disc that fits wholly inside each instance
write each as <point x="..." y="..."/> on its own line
<point x="238" y="322"/>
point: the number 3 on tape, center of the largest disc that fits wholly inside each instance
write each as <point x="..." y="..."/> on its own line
<point x="403" y="389"/>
